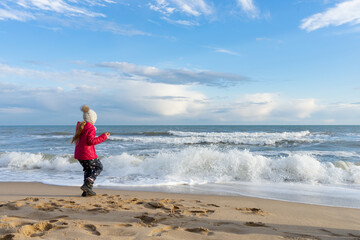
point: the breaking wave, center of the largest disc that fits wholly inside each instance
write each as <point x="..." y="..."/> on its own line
<point x="238" y="138"/>
<point x="199" y="165"/>
<point x="27" y="161"/>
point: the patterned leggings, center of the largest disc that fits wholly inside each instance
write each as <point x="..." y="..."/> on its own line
<point x="92" y="168"/>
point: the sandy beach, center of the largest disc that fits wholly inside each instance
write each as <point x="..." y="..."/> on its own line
<point x="39" y="211"/>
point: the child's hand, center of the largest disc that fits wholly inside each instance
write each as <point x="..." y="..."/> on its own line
<point x="107" y="134"/>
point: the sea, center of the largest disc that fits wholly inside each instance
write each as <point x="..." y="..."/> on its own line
<point x="307" y="164"/>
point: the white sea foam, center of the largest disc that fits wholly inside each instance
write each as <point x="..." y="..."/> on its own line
<point x="337" y="154"/>
<point x="51" y="136"/>
<point x="252" y="138"/>
<point x="196" y="165"/>
<point x="23" y="160"/>
<point x="203" y="165"/>
<point x="243" y="134"/>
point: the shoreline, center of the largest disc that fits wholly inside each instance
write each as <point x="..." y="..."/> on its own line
<point x="157" y="189"/>
<point x="30" y="209"/>
<point x="201" y="191"/>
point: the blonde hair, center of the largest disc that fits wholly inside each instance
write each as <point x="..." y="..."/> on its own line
<point x="78" y="132"/>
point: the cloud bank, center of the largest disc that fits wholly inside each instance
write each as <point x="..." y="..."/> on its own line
<point x="122" y="99"/>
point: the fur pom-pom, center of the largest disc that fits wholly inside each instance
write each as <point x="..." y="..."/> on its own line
<point x="85" y="108"/>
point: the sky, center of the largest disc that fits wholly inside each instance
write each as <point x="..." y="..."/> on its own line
<point x="180" y="61"/>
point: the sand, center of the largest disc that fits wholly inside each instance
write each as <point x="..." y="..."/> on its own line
<point x="39" y="211"/>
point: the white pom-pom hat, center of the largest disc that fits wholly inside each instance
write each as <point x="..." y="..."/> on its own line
<point x="89" y="114"/>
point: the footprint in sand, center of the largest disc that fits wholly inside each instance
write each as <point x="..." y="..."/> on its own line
<point x="199" y="212"/>
<point x="124" y="225"/>
<point x="255" y="224"/>
<point x="165" y="204"/>
<point x="36" y="230"/>
<point x="10" y="224"/>
<point x="256" y="211"/>
<point x="7" y="237"/>
<point x="154" y="205"/>
<point x="134" y="201"/>
<point x="27" y="227"/>
<point x="48" y="206"/>
<point x="157" y="232"/>
<point x="174" y="209"/>
<point x="213" y="205"/>
<point x="98" y="209"/>
<point x="201" y="230"/>
<point x="13" y="205"/>
<point x="60" y="217"/>
<point x="31" y="199"/>
<point x="146" y="220"/>
<point x="91" y="228"/>
<point x="59" y="222"/>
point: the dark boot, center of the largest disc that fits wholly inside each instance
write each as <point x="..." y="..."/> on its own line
<point x="83" y="194"/>
<point x="87" y="188"/>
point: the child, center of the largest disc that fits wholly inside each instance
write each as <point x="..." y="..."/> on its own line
<point x="85" y="151"/>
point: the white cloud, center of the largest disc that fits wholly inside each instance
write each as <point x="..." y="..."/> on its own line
<point x="77" y="86"/>
<point x="249" y="7"/>
<point x="113" y="27"/>
<point x="9" y="70"/>
<point x="145" y="90"/>
<point x="176" y="76"/>
<point x="226" y="51"/>
<point x="161" y="99"/>
<point x="181" y="22"/>
<point x="190" y="7"/>
<point x="157" y="101"/>
<point x="262" y="107"/>
<point x="198" y="8"/>
<point x="134" y="98"/>
<point x="255" y="106"/>
<point x="162" y="7"/>
<point x="59" y="6"/>
<point x="15" y="15"/>
<point x="65" y="13"/>
<point x="303" y="108"/>
<point x="347" y="12"/>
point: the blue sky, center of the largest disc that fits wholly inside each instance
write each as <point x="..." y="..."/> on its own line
<point x="180" y="61"/>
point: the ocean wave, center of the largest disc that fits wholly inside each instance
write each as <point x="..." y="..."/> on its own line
<point x="334" y="154"/>
<point x="51" y="136"/>
<point x="42" y="161"/>
<point x="56" y="134"/>
<point x="236" y="138"/>
<point x="150" y="133"/>
<point x="199" y="165"/>
<point x="242" y="134"/>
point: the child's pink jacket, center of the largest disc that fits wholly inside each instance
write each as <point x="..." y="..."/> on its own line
<point x="84" y="149"/>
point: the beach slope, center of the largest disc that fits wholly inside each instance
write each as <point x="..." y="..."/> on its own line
<point x="40" y="211"/>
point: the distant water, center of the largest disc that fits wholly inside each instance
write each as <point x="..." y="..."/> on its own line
<point x="310" y="164"/>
